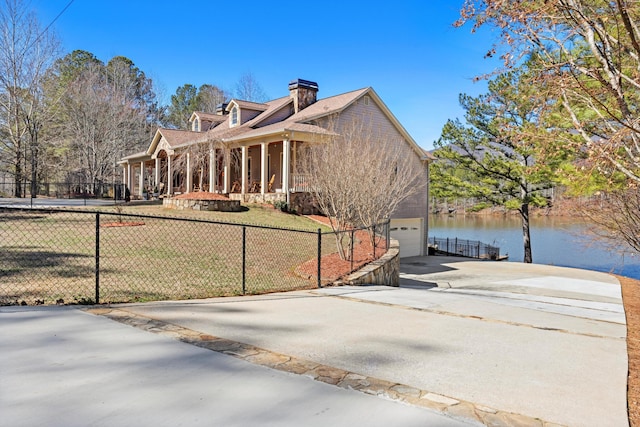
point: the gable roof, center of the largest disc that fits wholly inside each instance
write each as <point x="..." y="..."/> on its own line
<point x="174" y="138"/>
<point x="224" y="131"/>
<point x="207" y="120"/>
<point x="209" y="117"/>
<point x="255" y="106"/>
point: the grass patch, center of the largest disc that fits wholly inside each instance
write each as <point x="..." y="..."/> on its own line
<point x="50" y="256"/>
<point x="254" y="214"/>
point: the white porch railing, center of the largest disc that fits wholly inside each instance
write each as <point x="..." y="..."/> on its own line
<point x="300" y="183"/>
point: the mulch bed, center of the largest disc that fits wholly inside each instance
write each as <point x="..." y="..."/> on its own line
<point x="332" y="266"/>
<point x="122" y="224"/>
<point x="631" y="301"/>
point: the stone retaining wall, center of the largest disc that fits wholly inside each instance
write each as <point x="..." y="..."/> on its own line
<point x="258" y="197"/>
<point x="304" y="204"/>
<point x="383" y="271"/>
<point x="300" y="203"/>
<point x="203" y="205"/>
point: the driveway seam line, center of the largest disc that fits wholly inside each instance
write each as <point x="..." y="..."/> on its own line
<point x="469" y="316"/>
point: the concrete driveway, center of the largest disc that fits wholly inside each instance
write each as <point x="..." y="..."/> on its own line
<point x="60" y="366"/>
<point x="483" y="342"/>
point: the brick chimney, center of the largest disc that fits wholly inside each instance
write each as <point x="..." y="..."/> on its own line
<point x="303" y="93"/>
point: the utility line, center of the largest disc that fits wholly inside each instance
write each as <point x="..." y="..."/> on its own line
<point x="50" y="24"/>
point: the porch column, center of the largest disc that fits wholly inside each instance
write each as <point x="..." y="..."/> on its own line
<point x="141" y="179"/>
<point x="286" y="166"/>
<point x="169" y="176"/>
<point x="156" y="178"/>
<point x="212" y="170"/>
<point x="245" y="168"/>
<point x="129" y="177"/>
<point x="227" y="169"/>
<point x="295" y="157"/>
<point x="189" y="178"/>
<point x="264" y="150"/>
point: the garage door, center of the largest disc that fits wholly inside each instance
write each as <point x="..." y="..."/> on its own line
<point x="409" y="233"/>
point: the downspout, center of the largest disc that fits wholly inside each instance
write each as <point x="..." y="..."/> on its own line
<point x="286" y="167"/>
<point x="426" y="228"/>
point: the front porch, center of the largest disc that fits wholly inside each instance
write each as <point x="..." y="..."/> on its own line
<point x="258" y="173"/>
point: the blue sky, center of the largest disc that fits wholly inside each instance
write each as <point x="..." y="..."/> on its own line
<point x="408" y="51"/>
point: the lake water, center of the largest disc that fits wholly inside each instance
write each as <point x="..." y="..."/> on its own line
<point x="554" y="241"/>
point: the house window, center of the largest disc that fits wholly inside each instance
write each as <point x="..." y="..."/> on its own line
<point x="234" y="116"/>
<point x="196" y="125"/>
<point x="366" y="100"/>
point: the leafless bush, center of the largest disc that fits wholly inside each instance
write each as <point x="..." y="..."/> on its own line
<point x="361" y="175"/>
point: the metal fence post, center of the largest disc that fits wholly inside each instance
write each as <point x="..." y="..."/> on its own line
<point x="388" y="234"/>
<point x="244" y="259"/>
<point x="319" y="256"/>
<point x="374" y="241"/>
<point x="352" y="245"/>
<point x="97" y="257"/>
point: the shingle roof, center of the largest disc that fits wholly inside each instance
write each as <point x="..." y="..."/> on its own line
<point x="224" y="131"/>
<point x="256" y="106"/>
<point x="175" y="137"/>
<point x="280" y="127"/>
<point x="295" y="122"/>
<point x="303" y="121"/>
<point x="326" y="106"/>
<point x="210" y="117"/>
<point x="135" y="156"/>
<point x="274" y="106"/>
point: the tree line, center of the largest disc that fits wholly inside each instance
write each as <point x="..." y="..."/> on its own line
<point x="562" y="110"/>
<point x="71" y="117"/>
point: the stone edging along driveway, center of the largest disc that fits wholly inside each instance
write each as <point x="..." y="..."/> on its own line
<point x="318" y="372"/>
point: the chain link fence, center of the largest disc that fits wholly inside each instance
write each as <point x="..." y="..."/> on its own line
<point x="64" y="190"/>
<point x="78" y="257"/>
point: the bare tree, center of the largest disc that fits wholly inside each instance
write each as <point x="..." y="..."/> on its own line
<point x="209" y="97"/>
<point x="26" y="51"/>
<point x="589" y="52"/>
<point x="361" y="175"/>
<point x="104" y="118"/>
<point x="616" y="215"/>
<point x="248" y="89"/>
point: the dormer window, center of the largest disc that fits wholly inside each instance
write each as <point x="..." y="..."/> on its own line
<point x="196" y="125"/>
<point x="234" y="116"/>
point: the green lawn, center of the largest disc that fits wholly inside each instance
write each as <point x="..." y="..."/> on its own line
<point x="254" y="214"/>
<point x="48" y="257"/>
